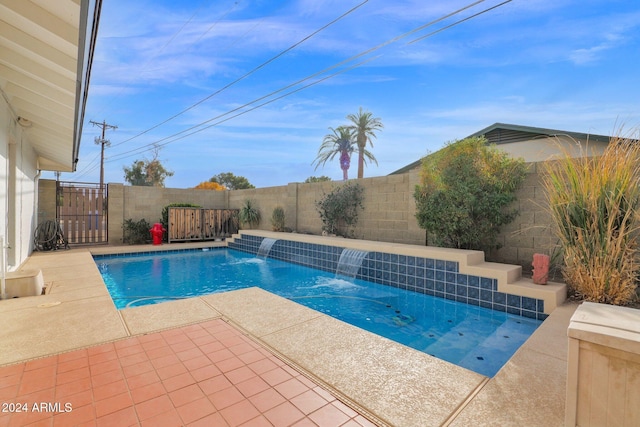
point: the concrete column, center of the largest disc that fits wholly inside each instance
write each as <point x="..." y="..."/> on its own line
<point x="46" y="200"/>
<point x="115" y="213"/>
<point x="291" y="208"/>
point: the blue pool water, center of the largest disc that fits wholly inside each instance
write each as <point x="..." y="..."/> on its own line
<point x="473" y="337"/>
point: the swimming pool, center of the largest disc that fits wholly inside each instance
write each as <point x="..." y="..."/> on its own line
<point x="476" y="338"/>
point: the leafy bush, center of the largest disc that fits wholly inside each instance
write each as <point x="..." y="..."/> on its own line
<point x="249" y="214"/>
<point x="465" y="194"/>
<point x="277" y="219"/>
<point x="136" y="232"/>
<point x="339" y="209"/>
<point x="208" y="185"/>
<point x="322" y="178"/>
<point x="594" y="202"/>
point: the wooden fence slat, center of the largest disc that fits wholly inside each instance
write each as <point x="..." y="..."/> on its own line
<point x="189" y="224"/>
<point x="99" y="208"/>
<point x="85" y="214"/>
<point x="82" y="212"/>
<point x="73" y="203"/>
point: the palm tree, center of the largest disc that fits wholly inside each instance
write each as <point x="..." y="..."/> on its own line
<point x="341" y="141"/>
<point x="364" y="127"/>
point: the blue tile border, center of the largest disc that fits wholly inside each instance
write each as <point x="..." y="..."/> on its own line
<point x="147" y="253"/>
<point x="435" y="277"/>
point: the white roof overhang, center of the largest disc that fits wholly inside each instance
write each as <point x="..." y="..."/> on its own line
<point x="46" y="51"/>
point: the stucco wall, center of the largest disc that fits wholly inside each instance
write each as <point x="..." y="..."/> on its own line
<point x="542" y="149"/>
<point x="18" y="164"/>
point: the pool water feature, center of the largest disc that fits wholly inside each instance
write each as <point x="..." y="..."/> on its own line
<point x="265" y="247"/>
<point x="350" y="262"/>
<point x="476" y="338"/>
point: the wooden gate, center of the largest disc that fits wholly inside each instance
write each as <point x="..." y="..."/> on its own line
<point x="188" y="224"/>
<point x="82" y="212"/>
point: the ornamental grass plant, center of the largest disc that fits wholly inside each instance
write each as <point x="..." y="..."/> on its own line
<point x="595" y="202"/>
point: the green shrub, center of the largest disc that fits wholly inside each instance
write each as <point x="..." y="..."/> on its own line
<point x="465" y="194"/>
<point x="278" y="219"/>
<point x="339" y="209"/>
<point x="595" y="202"/>
<point x="136" y="232"/>
<point x="249" y="214"/>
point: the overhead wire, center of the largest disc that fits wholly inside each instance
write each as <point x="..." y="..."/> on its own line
<point x="195" y="130"/>
<point x="187" y="132"/>
<point x="86" y="169"/>
<point x="93" y="164"/>
<point x="159" y="51"/>
<point x="316" y="74"/>
<point x="217" y="22"/>
<point x="439" y="30"/>
<point x="247" y="74"/>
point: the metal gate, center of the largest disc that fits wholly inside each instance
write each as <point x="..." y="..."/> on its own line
<point x="82" y="212"/>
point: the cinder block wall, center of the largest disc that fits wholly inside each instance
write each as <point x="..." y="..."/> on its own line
<point x="388" y="215"/>
<point x="136" y="203"/>
<point x="266" y="200"/>
<point x="531" y="231"/>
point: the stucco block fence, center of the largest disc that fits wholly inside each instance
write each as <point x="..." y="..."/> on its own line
<point x="388" y="215"/>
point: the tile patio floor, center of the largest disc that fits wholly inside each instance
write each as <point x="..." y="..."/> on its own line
<point x="205" y="374"/>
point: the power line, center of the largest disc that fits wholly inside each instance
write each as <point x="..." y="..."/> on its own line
<point x="459" y="22"/>
<point x="350" y="59"/>
<point x="377" y="47"/>
<point x="157" y="53"/>
<point x="264" y="64"/>
<point x="176" y="138"/>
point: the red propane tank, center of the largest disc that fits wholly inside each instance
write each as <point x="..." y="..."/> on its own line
<point x="156" y="233"/>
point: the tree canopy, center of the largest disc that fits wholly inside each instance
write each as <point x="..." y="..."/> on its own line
<point x="231" y="181"/>
<point x="317" y="179"/>
<point x="340" y="141"/>
<point x="208" y="185"/>
<point x="147" y="173"/>
<point x="364" y="127"/>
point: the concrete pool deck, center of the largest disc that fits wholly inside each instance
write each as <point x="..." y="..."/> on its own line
<point x="386" y="382"/>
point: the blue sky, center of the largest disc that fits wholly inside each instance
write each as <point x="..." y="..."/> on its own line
<point x="561" y="64"/>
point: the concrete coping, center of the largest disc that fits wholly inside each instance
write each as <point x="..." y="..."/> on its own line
<point x="470" y="262"/>
<point x="607" y="325"/>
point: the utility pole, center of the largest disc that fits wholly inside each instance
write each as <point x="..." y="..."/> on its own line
<point x="101" y="141"/>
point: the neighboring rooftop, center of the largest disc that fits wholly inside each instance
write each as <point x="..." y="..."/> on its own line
<point x="503" y="133"/>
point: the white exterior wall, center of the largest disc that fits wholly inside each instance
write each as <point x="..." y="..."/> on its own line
<point x="18" y="171"/>
<point x="542" y="149"/>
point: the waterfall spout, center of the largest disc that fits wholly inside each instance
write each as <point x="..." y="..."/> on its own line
<point x="265" y="247"/>
<point x="350" y="262"/>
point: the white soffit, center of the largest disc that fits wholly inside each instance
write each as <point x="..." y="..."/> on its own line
<point x="44" y="74"/>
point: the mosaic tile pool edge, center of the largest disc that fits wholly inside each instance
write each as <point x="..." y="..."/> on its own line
<point x="429" y="276"/>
